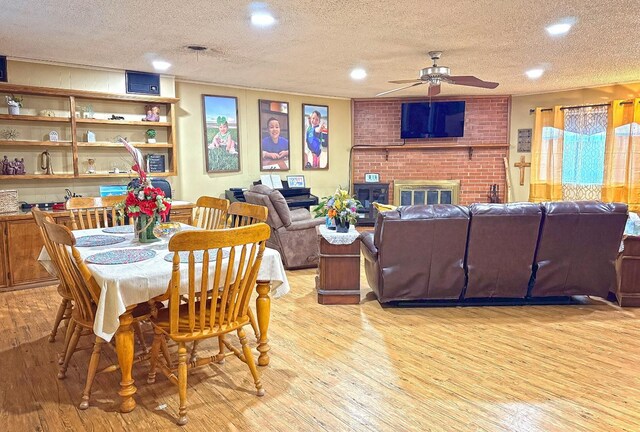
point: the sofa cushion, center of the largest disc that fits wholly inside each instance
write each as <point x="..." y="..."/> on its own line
<point x="578" y="245"/>
<point x="501" y="248"/>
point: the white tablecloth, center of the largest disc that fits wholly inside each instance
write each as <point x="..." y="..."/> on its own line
<point x="128" y="284"/>
<point x="336" y="238"/>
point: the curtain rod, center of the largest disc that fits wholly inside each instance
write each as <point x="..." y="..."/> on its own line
<point x="532" y="110"/>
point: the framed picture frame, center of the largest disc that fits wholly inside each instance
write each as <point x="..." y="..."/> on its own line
<point x="274" y="135"/>
<point x="315" y="137"/>
<point x="372" y="178"/>
<point x="296" y="181"/>
<point x="221" y="133"/>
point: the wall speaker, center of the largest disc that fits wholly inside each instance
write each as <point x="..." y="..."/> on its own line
<point x="143" y="83"/>
<point x="3" y="68"/>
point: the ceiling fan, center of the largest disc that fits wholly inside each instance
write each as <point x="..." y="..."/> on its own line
<point x="435" y="75"/>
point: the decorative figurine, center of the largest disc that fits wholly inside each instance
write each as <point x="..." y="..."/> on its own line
<point x="91" y="166"/>
<point x="91" y="137"/>
<point x="19" y="167"/>
<point x="5" y="166"/>
<point x="45" y="162"/>
<point x="53" y="136"/>
<point x="153" y="113"/>
<point x="87" y="111"/>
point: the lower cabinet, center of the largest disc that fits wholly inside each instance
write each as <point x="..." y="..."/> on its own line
<point x="181" y="214"/>
<point x="23" y="245"/>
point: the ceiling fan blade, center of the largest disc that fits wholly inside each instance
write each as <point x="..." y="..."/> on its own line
<point x="434" y="90"/>
<point x="471" y="81"/>
<point x="401" y="88"/>
<point x="405" y="81"/>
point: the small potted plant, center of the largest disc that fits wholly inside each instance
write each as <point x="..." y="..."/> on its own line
<point x="151" y="136"/>
<point x="14" y="103"/>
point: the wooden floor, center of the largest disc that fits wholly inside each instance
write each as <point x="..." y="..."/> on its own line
<point x="355" y="368"/>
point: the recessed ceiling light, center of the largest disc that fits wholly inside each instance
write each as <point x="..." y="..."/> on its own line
<point x="262" y="19"/>
<point x="358" y="74"/>
<point x="534" y="73"/>
<point x="161" y="65"/>
<point x="560" y="28"/>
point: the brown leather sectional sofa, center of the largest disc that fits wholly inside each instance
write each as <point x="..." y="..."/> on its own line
<point x="489" y="251"/>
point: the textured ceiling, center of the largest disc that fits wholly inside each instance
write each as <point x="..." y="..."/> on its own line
<point x="316" y="43"/>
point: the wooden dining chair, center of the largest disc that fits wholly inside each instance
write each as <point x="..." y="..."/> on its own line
<point x="243" y="214"/>
<point x="95" y="212"/>
<point x="217" y="299"/>
<point x="86" y="293"/>
<point x="66" y="305"/>
<point x="210" y="212"/>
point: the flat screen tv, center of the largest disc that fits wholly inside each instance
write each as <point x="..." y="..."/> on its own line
<point x="432" y="120"/>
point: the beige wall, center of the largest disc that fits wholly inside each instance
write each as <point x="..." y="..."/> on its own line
<point x="521" y="119"/>
<point x="194" y="180"/>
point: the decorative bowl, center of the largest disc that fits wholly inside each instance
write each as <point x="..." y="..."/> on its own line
<point x="166" y="230"/>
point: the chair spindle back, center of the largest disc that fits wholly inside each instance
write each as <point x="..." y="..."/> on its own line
<point x="210" y="212"/>
<point x="243" y="214"/>
<point x="95" y="212"/>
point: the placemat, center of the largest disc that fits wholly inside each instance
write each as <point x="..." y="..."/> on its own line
<point x="197" y="255"/>
<point x="121" y="229"/>
<point x="121" y="256"/>
<point x="98" y="240"/>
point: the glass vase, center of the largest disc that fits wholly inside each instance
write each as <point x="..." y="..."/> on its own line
<point x="342" y="226"/>
<point x="144" y="228"/>
<point x="330" y="223"/>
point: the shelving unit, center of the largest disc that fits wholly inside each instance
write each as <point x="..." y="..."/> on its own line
<point x="73" y="147"/>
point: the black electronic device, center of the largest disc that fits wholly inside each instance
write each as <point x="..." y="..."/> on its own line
<point x="3" y="69"/>
<point x="142" y="83"/>
<point x="432" y="120"/>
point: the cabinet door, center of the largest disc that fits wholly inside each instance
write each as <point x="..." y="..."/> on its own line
<point x="3" y="256"/>
<point x="181" y="215"/>
<point x="24" y="244"/>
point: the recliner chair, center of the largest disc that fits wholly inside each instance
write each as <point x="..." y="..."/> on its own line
<point x="293" y="232"/>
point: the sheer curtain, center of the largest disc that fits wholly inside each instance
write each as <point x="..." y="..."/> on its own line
<point x="622" y="155"/>
<point x="585" y="131"/>
<point x="546" y="155"/>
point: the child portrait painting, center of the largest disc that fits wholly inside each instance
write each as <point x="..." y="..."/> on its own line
<point x="221" y="137"/>
<point x="315" y="142"/>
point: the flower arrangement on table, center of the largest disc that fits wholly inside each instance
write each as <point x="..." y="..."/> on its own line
<point x="144" y="203"/>
<point x="341" y="208"/>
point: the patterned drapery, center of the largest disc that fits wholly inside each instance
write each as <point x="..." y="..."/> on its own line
<point x="546" y="155"/>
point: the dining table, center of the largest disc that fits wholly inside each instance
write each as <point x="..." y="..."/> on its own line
<point x="126" y="285"/>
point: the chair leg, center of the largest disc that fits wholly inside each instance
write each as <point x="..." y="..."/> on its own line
<point x="248" y="356"/>
<point x="182" y="383"/>
<point x="254" y="324"/>
<point x="221" y="347"/>
<point x="71" y="348"/>
<point x="155" y="350"/>
<point x="59" y="315"/>
<point x="165" y="351"/>
<point x="67" y="338"/>
<point x="138" y="330"/>
<point x="91" y="372"/>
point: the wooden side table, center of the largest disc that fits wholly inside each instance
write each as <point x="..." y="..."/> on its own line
<point x="628" y="271"/>
<point x="338" y="279"/>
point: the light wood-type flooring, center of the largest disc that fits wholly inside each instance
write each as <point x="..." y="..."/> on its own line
<point x="354" y="368"/>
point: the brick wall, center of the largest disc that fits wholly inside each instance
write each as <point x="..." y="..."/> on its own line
<point x="377" y="123"/>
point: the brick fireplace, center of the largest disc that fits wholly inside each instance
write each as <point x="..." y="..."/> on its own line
<point x="377" y="126"/>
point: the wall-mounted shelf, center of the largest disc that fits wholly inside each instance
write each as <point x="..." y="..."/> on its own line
<point x="76" y="128"/>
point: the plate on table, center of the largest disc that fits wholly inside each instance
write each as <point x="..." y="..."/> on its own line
<point x="198" y="256"/>
<point x="121" y="256"/>
<point x="98" y="240"/>
<point x="121" y="229"/>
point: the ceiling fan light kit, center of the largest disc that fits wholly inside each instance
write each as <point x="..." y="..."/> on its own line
<point x="435" y="75"/>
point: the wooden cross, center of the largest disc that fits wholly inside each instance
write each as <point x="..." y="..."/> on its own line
<point x="522" y="165"/>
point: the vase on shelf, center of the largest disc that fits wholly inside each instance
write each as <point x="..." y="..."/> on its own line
<point x="342" y="226"/>
<point x="14" y="110"/>
<point x="144" y="228"/>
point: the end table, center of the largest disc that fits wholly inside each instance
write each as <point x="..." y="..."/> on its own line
<point x="338" y="279"/>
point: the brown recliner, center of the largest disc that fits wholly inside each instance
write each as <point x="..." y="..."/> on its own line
<point x="417" y="253"/>
<point x="293" y="232"/>
<point x="578" y="245"/>
<point x="501" y="247"/>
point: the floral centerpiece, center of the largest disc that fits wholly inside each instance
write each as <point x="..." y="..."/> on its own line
<point x="144" y="203"/>
<point x="341" y="208"/>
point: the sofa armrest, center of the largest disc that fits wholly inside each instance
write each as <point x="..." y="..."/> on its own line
<point x="305" y="224"/>
<point x="368" y="248"/>
<point x="300" y="214"/>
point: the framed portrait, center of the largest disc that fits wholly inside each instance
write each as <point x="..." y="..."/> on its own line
<point x="274" y="135"/>
<point x="295" y="181"/>
<point x="315" y="140"/>
<point x="221" y="137"/>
